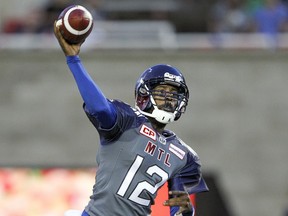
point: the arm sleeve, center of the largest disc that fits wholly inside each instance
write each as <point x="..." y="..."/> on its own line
<point x="96" y="103"/>
<point x="189" y="179"/>
<point x="174" y="209"/>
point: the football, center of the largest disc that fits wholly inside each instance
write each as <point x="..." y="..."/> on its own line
<point x="75" y="24"/>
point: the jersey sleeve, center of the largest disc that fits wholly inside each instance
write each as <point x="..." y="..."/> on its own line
<point x="96" y="103"/>
<point x="174" y="209"/>
<point x="189" y="179"/>
<point x="126" y="119"/>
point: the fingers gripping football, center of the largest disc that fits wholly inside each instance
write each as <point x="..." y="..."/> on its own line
<point x="68" y="49"/>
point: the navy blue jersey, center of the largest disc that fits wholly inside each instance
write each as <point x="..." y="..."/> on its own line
<point x="134" y="161"/>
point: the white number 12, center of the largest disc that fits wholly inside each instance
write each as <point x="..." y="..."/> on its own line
<point x="141" y="186"/>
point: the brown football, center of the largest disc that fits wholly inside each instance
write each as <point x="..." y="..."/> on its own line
<point x="75" y="23"/>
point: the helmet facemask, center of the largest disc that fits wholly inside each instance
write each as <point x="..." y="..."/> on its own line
<point x="173" y="103"/>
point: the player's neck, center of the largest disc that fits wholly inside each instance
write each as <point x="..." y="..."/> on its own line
<point x="159" y="127"/>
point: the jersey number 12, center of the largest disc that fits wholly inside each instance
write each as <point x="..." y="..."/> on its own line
<point x="143" y="185"/>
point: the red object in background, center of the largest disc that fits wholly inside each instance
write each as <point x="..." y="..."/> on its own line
<point x="48" y="191"/>
<point x="13" y="26"/>
<point x="158" y="209"/>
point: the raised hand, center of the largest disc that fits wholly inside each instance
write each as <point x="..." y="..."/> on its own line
<point x="68" y="49"/>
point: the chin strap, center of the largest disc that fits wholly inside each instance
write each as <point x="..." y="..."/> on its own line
<point x="159" y="115"/>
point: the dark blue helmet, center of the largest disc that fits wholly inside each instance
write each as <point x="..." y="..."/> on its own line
<point x="161" y="74"/>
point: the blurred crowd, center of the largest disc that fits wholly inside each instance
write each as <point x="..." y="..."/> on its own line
<point x="268" y="17"/>
<point x="264" y="16"/>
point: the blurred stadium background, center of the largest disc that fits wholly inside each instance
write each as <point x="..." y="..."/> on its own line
<point x="237" y="118"/>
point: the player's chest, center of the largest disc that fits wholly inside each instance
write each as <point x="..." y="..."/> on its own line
<point x="156" y="148"/>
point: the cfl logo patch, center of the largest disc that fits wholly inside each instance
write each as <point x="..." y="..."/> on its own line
<point x="148" y="132"/>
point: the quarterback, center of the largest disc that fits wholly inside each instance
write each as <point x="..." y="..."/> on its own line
<point x="137" y="155"/>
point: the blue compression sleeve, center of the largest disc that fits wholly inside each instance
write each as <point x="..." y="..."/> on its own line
<point x="174" y="209"/>
<point x="95" y="102"/>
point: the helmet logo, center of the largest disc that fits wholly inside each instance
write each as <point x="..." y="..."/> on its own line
<point x="172" y="77"/>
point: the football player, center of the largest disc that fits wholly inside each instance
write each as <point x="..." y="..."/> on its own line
<point x="137" y="155"/>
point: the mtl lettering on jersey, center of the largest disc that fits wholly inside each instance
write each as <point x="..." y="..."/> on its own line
<point x="152" y="148"/>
